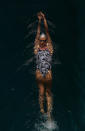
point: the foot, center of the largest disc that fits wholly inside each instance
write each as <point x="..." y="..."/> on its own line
<point x="49" y="115"/>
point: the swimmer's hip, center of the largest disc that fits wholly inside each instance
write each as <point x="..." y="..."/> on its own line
<point x="46" y="77"/>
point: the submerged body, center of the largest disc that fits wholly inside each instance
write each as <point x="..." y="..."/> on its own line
<point x="43" y="51"/>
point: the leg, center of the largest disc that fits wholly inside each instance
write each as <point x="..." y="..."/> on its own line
<point x="49" y="98"/>
<point x="41" y="96"/>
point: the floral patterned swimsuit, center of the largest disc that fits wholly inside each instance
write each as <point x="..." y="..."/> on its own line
<point x="43" y="61"/>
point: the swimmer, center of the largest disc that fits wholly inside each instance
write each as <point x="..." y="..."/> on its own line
<point x="43" y="50"/>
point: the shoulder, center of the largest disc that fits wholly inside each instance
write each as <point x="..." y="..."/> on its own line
<point x="36" y="48"/>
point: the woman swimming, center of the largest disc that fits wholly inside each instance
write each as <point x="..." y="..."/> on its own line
<point x="43" y="51"/>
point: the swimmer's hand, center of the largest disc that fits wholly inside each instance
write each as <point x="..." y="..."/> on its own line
<point x="39" y="16"/>
<point x="42" y="14"/>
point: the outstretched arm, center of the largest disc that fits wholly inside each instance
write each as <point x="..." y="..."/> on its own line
<point x="49" y="41"/>
<point x="36" y="42"/>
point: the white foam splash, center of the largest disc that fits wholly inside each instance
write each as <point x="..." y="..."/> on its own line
<point x="51" y="125"/>
<point x="46" y="125"/>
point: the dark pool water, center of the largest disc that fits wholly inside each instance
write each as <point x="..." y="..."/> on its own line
<point x="19" y="107"/>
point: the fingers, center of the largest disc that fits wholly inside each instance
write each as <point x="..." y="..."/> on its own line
<point x="40" y="15"/>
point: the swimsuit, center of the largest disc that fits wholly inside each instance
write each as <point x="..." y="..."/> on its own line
<point x="43" y="61"/>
